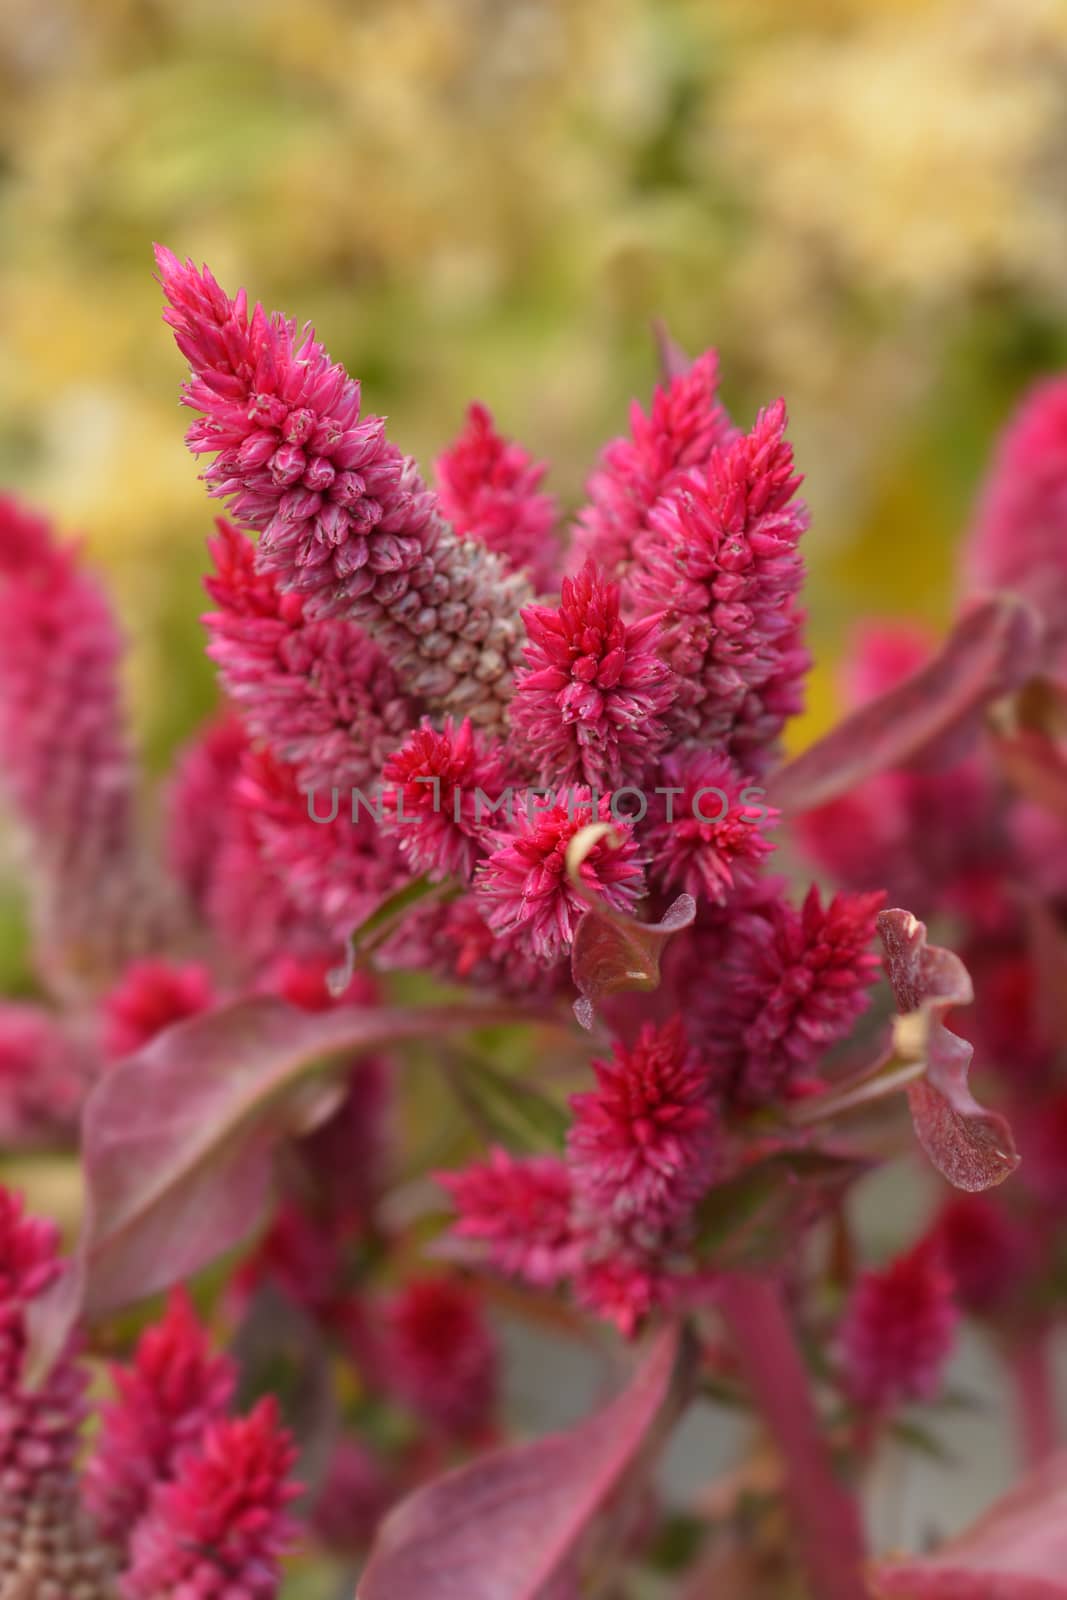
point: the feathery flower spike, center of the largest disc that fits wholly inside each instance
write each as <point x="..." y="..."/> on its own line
<point x="898" y="1330"/>
<point x="441" y="1357"/>
<point x="45" y="1073"/>
<point x="432" y="803"/>
<point x="344" y="519"/>
<point x="518" y="1208"/>
<point x="489" y="489"/>
<point x="321" y="694"/>
<point x="707" y="838"/>
<point x="685" y="424"/>
<point x="220" y="1528"/>
<point x="642" y="1147"/>
<point x="590" y="704"/>
<point x="150" y="996"/>
<point x="719" y="560"/>
<point x="173" y="1388"/>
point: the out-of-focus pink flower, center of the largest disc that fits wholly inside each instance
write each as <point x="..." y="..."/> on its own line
<point x="65" y="759"/>
<point x="172" y="1389"/>
<point x="150" y="996"/>
<point x="708" y="837"/>
<point x="791" y="984"/>
<point x="685" y="424"/>
<point x="519" y="1209"/>
<point x="490" y="490"/>
<point x="1019" y="537"/>
<point x="298" y="1254"/>
<point x="1043" y="1142"/>
<point x="220" y="1528"/>
<point x="442" y="1360"/>
<point x="321" y="694"/>
<point x="621" y="1286"/>
<point x="643" y="1144"/>
<point x="523" y="887"/>
<point x="589" y="705"/>
<point x="719" y="560"/>
<point x="198" y="804"/>
<point x="334" y="868"/>
<point x="356" y="1492"/>
<point x="440" y="786"/>
<point x="455" y="941"/>
<point x="42" y="1530"/>
<point x="986" y="1252"/>
<point x="344" y="519"/>
<point x="45" y="1073"/>
<point x="898" y="1330"/>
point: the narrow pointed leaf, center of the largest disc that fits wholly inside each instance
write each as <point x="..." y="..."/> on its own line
<point x="970" y="1146"/>
<point x="515" y="1523"/>
<point x="932" y="716"/>
<point x="177" y="1141"/>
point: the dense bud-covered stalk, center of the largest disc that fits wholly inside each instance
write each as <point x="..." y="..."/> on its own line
<point x="344" y="519"/>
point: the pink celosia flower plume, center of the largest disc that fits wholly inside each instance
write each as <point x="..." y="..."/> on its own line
<point x="707" y="837"/>
<point x="219" y="1529"/>
<point x="441" y="787"/>
<point x="590" y="704"/>
<point x="46" y="1545"/>
<point x="643" y="1145"/>
<point x="898" y="1330"/>
<point x="46" y="1069"/>
<point x="685" y="424"/>
<point x="173" y="1388"/>
<point x="150" y="996"/>
<point x="441" y="1358"/>
<point x="321" y="694"/>
<point x="490" y="490"/>
<point x="67" y="769"/>
<point x="344" y="519"/>
<point x="519" y="1210"/>
<point x="719" y="560"/>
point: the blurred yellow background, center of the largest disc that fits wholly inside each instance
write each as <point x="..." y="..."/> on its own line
<point x="863" y="204"/>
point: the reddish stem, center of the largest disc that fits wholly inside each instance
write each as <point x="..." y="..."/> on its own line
<point x="825" y="1515"/>
<point x="1035" y="1396"/>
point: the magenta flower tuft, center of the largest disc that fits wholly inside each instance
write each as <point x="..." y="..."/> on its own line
<point x="898" y="1331"/>
<point x="719" y="560"/>
<point x="173" y="1388"/>
<point x="220" y="1528"/>
<point x="987" y="1252"/>
<point x="489" y="489"/>
<point x="1019" y="537"/>
<point x="344" y="519"/>
<point x="519" y="1209"/>
<point x="442" y="1360"/>
<point x="791" y="984"/>
<point x="523" y="887"/>
<point x="621" y="1286"/>
<point x="321" y="694"/>
<point x="643" y="1145"/>
<point x="150" y="996"/>
<point x="708" y="837"/>
<point x="199" y="820"/>
<point x="685" y="424"/>
<point x="589" y="705"/>
<point x="441" y="785"/>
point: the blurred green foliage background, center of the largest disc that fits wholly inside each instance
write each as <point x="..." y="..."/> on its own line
<point x="862" y="202"/>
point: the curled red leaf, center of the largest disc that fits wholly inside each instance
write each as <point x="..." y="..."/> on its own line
<point x="970" y="1146"/>
<point x="612" y="950"/>
<point x="992" y="650"/>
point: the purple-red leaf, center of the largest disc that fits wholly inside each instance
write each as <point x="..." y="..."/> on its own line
<point x="972" y="1147"/>
<point x="1017" y="1550"/>
<point x="514" y="1523"/>
<point x="992" y="650"/>
<point x="177" y="1141"/>
<point x="1036" y="766"/>
<point x="612" y="950"/>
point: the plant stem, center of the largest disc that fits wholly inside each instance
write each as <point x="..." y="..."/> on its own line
<point x="825" y="1515"/>
<point x="1035" y="1396"/>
